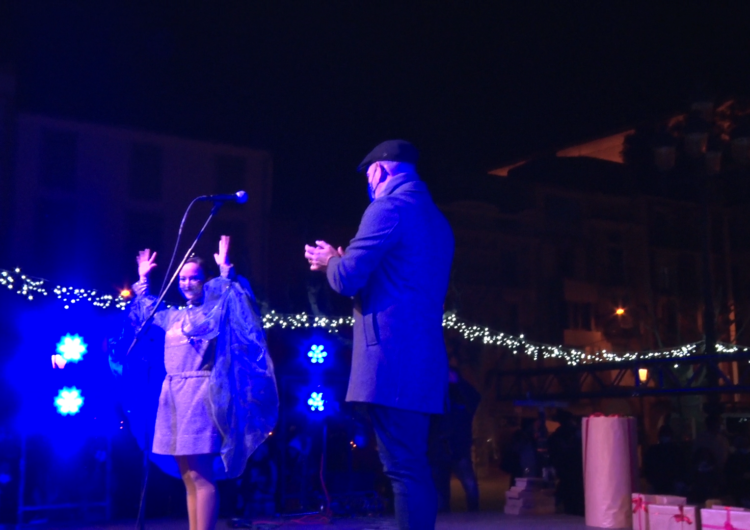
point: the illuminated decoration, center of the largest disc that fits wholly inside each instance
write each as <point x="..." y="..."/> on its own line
<point x="643" y="374"/>
<point x="571" y="356"/>
<point x="317" y="353"/>
<point x="126" y="293"/>
<point x="303" y="320"/>
<point x="30" y="287"/>
<point x="58" y="361"/>
<point x="316" y="402"/>
<point x="71" y="348"/>
<point x="619" y="311"/>
<point x="69" y="401"/>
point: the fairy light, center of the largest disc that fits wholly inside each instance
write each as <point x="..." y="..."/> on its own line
<point x="29" y="287"/>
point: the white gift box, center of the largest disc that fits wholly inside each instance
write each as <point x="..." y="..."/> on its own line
<point x="672" y="517"/>
<point x="640" y="503"/>
<point x="726" y="518"/>
<point x="673" y="500"/>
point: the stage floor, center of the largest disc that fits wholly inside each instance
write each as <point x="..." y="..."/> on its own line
<point x="453" y="521"/>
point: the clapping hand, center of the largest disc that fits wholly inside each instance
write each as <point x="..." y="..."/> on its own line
<point x="319" y="255"/>
<point x="146" y="263"/>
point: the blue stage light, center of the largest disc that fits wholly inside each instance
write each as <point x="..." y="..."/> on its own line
<point x="68" y="401"/>
<point x="72" y="348"/>
<point x="316" y="402"/>
<point x="317" y="353"/>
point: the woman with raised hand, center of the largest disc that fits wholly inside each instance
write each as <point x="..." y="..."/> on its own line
<point x="219" y="396"/>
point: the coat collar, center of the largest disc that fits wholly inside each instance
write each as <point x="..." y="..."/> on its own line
<point x="407" y="181"/>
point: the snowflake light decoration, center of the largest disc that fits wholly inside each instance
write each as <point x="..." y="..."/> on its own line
<point x="316" y="401"/>
<point x="68" y="401"/>
<point x="317" y="353"/>
<point x="72" y="348"/>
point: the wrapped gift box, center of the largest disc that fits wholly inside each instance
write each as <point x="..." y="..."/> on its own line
<point x="641" y="507"/>
<point x="640" y="504"/>
<point x="530" y="496"/>
<point x="610" y="469"/>
<point x="673" y="517"/>
<point x="673" y="500"/>
<point x="725" y="518"/>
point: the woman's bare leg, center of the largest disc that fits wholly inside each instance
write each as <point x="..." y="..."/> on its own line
<point x="200" y="473"/>
<point x="192" y="502"/>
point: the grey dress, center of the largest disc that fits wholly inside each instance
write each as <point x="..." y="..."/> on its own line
<point x="219" y="395"/>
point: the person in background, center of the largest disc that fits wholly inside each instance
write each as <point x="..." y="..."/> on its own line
<point x="566" y="457"/>
<point x="664" y="464"/>
<point x="454" y="442"/>
<point x="738" y="471"/>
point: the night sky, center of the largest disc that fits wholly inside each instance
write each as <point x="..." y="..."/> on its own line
<point x="319" y="83"/>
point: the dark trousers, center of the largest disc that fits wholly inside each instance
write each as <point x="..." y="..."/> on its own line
<point x="464" y="470"/>
<point x="402" y="445"/>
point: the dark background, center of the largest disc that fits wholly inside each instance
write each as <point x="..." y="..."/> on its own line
<point x="473" y="84"/>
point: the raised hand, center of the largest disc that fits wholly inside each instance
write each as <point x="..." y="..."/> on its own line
<point x="146" y="263"/>
<point x="222" y="258"/>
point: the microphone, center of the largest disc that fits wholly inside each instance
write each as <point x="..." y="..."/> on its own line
<point x="240" y="198"/>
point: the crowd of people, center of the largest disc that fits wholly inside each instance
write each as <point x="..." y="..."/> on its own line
<point x="716" y="465"/>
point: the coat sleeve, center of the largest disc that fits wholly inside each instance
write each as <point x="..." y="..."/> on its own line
<point x="377" y="233"/>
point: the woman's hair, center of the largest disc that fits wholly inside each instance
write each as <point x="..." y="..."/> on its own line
<point x="198" y="261"/>
<point x="202" y="264"/>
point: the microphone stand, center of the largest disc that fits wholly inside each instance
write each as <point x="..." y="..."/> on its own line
<point x="141" y="521"/>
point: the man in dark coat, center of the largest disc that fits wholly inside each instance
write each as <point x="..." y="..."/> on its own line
<point x="397" y="269"/>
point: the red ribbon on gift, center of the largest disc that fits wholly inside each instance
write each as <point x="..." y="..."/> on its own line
<point x="681" y="517"/>
<point x="640" y="505"/>
<point x="727" y="524"/>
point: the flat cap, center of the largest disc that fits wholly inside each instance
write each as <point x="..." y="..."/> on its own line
<point x="393" y="151"/>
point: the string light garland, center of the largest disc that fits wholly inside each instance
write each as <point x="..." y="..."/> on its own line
<point x="30" y="287"/>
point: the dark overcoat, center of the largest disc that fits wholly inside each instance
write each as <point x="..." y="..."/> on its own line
<point x="397" y="269"/>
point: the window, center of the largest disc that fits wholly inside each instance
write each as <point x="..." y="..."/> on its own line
<point x="513" y="324"/>
<point x="687" y="275"/>
<point x="508" y="269"/>
<point x="615" y="267"/>
<point x="231" y="172"/>
<point x="58" y="159"/>
<point x="566" y="263"/>
<point x="562" y="212"/>
<point x="142" y="230"/>
<point x="579" y="315"/>
<point x="145" y="172"/>
<point x="54" y="233"/>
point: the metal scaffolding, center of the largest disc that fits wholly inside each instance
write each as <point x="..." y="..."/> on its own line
<point x="701" y="374"/>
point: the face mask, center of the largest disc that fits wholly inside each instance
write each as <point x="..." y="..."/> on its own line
<point x="371" y="189"/>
